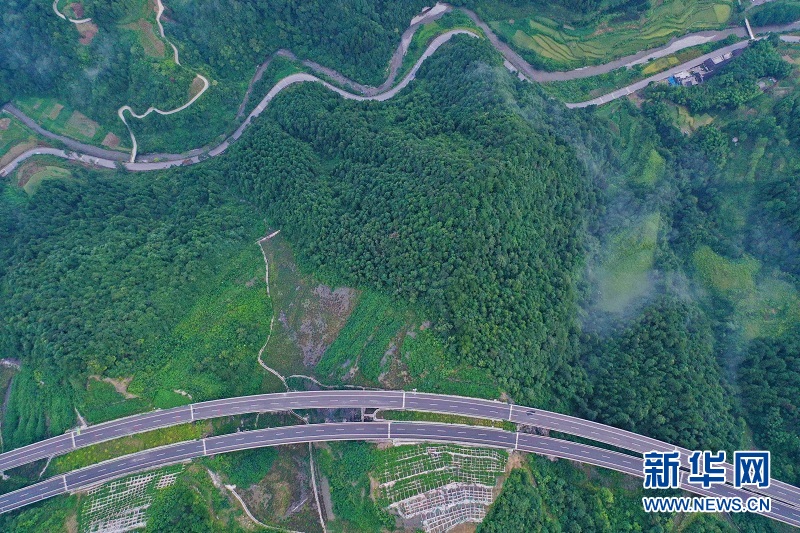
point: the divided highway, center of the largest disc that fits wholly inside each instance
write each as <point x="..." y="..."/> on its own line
<point x="369" y="431"/>
<point x="354" y="399"/>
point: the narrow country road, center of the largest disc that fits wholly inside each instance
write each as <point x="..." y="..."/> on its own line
<point x="99" y="157"/>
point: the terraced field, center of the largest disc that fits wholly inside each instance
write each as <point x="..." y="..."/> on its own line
<point x="542" y="40"/>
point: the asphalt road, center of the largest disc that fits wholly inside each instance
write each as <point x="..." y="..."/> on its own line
<point x="639" y="85"/>
<point x="109" y="159"/>
<point x="369" y="431"/>
<point x="355" y="399"/>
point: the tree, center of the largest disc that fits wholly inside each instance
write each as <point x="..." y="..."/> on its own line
<point x="178" y="509"/>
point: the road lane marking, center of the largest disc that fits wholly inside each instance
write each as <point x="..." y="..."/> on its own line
<point x="64" y="479"/>
<point x="516" y="442"/>
<point x="204" y="446"/>
<point x="191" y="412"/>
<point x="390" y="424"/>
<point x="404" y="400"/>
<point x="510" y="409"/>
<point x="72" y="434"/>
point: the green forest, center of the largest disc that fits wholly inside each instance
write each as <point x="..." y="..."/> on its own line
<point x="442" y="196"/>
<point x="635" y="264"/>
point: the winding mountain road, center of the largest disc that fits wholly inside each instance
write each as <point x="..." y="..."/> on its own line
<point x="107" y="158"/>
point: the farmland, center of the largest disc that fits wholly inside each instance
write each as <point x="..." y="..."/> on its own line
<point x="552" y="45"/>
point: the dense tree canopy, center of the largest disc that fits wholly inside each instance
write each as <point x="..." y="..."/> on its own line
<point x="92" y="269"/>
<point x="658" y="377"/>
<point x="442" y="195"/>
<point x="775" y="13"/>
<point x="770" y="381"/>
<point x="178" y="509"/>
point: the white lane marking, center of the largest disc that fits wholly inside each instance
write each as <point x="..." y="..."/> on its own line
<point x="516" y="442"/>
<point x="191" y="412"/>
<point x="404" y="400"/>
<point x="510" y="409"/>
<point x="204" y="447"/>
<point x="390" y="428"/>
<point x="72" y="434"/>
<point x="64" y="479"/>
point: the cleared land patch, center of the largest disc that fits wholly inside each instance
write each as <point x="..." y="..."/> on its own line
<point x="146" y="34"/>
<point x="42" y="174"/>
<point x="196" y="86"/>
<point x="15" y="138"/>
<point x="624" y="275"/>
<point x="308" y="314"/>
<point x="59" y="118"/>
<point x="87" y="31"/>
<point x="654" y="167"/>
<point x="79" y="125"/>
<point x="765" y="305"/>
<point x="111" y="141"/>
<point x="388" y="344"/>
<point x="730" y="278"/>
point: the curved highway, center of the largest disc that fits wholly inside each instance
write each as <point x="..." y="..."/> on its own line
<point x="369" y="431"/>
<point x="354" y="399"/>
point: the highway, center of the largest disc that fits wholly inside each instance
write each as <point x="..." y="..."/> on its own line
<point x="355" y="399"/>
<point x="366" y="431"/>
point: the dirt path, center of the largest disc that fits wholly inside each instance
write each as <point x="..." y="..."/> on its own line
<point x="272" y="320"/>
<point x="61" y="15"/>
<point x="123" y="109"/>
<point x="126" y="108"/>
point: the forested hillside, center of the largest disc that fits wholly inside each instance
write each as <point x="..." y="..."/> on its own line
<point x="356" y="38"/>
<point x="442" y="195"/>
<point x="119" y="59"/>
<point x="659" y="377"/>
<point x="635" y="264"/>
<point x="98" y="273"/>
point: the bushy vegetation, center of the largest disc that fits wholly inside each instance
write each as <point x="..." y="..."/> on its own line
<point x="346" y="465"/>
<point x="557" y="496"/>
<point x="98" y="274"/>
<point x="365" y="338"/>
<point x="245" y="468"/>
<point x="178" y="509"/>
